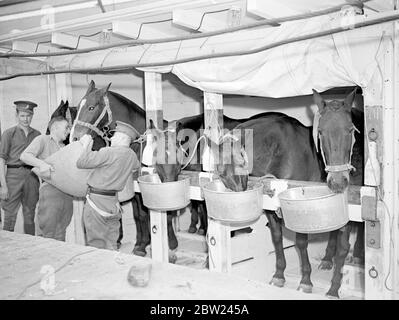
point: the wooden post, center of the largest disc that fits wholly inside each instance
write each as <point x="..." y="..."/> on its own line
<point x="219" y="239"/>
<point x="381" y="112"/>
<point x="158" y="219"/>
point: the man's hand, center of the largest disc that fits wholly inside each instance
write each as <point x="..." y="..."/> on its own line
<point x="86" y="141"/>
<point x="4" y="193"/>
<point x="45" y="167"/>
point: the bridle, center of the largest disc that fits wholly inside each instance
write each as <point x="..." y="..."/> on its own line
<point x="105" y="112"/>
<point x="332" y="168"/>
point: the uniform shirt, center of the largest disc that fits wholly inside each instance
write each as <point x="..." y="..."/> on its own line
<point x="112" y="165"/>
<point x="13" y="142"/>
<point x="43" y="146"/>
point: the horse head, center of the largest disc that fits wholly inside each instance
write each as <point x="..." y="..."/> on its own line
<point x="335" y="131"/>
<point x="167" y="153"/>
<point x="232" y="163"/>
<point x="94" y="115"/>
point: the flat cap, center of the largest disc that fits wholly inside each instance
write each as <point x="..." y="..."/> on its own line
<point x="126" y="129"/>
<point x="26" y="106"/>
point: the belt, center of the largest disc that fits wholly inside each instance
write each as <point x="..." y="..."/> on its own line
<point x="14" y="166"/>
<point x="102" y="192"/>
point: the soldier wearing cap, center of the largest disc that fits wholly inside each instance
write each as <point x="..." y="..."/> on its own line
<point x="18" y="184"/>
<point x="112" y="167"/>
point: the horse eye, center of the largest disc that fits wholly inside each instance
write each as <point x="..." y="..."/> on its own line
<point x="91" y="108"/>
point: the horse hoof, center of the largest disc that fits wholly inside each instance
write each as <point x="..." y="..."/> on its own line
<point x="305" y="288"/>
<point x="277" y="282"/>
<point x="325" y="265"/>
<point x="201" y="232"/>
<point x="332" y="295"/>
<point x="138" y="252"/>
<point x="192" y="230"/>
<point x="172" y="257"/>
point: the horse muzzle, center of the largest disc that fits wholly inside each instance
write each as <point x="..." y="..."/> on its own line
<point x="338" y="182"/>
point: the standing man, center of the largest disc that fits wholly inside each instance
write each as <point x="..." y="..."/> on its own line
<point x="55" y="207"/>
<point x="18" y="184"/>
<point x="112" y="167"/>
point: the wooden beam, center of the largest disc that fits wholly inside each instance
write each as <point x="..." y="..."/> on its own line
<point x="27" y="46"/>
<point x="132" y="30"/>
<point x="144" y="9"/>
<point x="269" y="9"/>
<point x="198" y="20"/>
<point x="72" y="41"/>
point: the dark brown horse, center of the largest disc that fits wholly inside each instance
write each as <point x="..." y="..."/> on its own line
<point x="284" y="148"/>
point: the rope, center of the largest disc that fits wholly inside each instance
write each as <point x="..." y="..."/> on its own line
<point x="269" y="22"/>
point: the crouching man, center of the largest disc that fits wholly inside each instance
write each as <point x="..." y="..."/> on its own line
<point x="112" y="167"/>
<point x="55" y="207"/>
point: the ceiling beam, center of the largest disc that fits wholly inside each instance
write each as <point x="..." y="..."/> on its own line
<point x="132" y="30"/>
<point x="27" y="46"/>
<point x="198" y="20"/>
<point x="140" y="10"/>
<point x="269" y="9"/>
<point x="71" y="41"/>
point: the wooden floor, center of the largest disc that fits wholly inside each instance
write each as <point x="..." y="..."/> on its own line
<point x="102" y="274"/>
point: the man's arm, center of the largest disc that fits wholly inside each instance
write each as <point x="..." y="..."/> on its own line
<point x="90" y="159"/>
<point x="31" y="153"/>
<point x="4" y="151"/>
<point x="3" y="183"/>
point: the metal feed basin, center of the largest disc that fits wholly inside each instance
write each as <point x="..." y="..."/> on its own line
<point x="314" y="209"/>
<point x="225" y="205"/>
<point x="164" y="196"/>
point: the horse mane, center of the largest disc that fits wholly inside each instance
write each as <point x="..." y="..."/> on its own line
<point x="129" y="103"/>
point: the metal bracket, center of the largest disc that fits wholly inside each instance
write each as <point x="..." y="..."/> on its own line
<point x="373" y="234"/>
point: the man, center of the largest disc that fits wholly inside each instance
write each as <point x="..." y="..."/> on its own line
<point x="18" y="184"/>
<point x="55" y="207"/>
<point x="112" y="167"/>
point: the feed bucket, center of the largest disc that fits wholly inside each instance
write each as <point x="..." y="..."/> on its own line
<point x="164" y="196"/>
<point x="66" y="176"/>
<point x="313" y="209"/>
<point x="225" y="205"/>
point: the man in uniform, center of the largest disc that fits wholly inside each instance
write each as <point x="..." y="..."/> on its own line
<point x="112" y="167"/>
<point x="18" y="184"/>
<point x="55" y="207"/>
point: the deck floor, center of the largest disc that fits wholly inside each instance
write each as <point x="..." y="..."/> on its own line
<point x="102" y="274"/>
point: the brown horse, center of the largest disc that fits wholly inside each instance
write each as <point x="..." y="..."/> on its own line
<point x="284" y="148"/>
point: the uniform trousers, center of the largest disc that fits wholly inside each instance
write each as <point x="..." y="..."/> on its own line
<point x="55" y="212"/>
<point x="23" y="188"/>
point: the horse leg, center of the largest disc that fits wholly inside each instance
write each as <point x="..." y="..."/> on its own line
<point x="302" y="246"/>
<point x="342" y="251"/>
<point x="194" y="217"/>
<point x="119" y="241"/>
<point x="277" y="238"/>
<point x="203" y="215"/>
<point x="358" y="249"/>
<point x="172" y="240"/>
<point x="327" y="262"/>
<point x="141" y="219"/>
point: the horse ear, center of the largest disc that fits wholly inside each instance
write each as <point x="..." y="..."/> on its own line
<point x="107" y="88"/>
<point x="318" y="99"/>
<point x="91" y="87"/>
<point x="66" y="104"/>
<point x="152" y="126"/>
<point x="349" y="99"/>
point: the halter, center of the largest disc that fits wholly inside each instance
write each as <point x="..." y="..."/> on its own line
<point x="106" y="111"/>
<point x="332" y="168"/>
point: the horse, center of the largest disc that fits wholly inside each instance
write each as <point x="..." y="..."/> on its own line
<point x="64" y="110"/>
<point x="98" y="111"/>
<point x="285" y="148"/>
